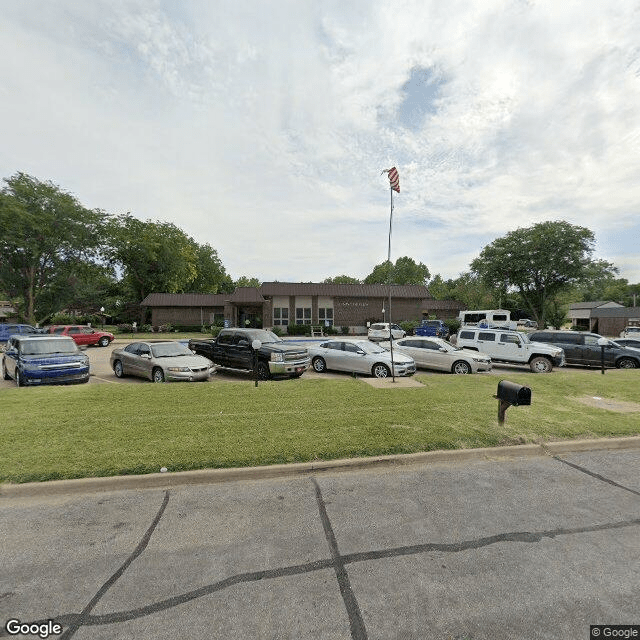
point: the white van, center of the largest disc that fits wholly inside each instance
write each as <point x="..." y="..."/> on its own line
<point x="487" y="318"/>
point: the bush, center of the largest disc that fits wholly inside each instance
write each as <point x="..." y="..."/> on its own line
<point x="408" y="326"/>
<point x="299" y="329"/>
<point x="453" y="325"/>
<point x="125" y="328"/>
<point x="187" y="328"/>
<point x="215" y="331"/>
<point x="344" y="331"/>
<point x="146" y="328"/>
<point x="278" y="331"/>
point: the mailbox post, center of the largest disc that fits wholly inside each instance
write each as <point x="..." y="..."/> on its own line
<point x="511" y="394"/>
<point x="255" y="345"/>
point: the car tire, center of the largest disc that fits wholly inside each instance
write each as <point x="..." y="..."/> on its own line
<point x="118" y="369"/>
<point x="380" y="370"/>
<point x="19" y="380"/>
<point x="5" y="375"/>
<point x="157" y="374"/>
<point x="626" y="363"/>
<point x="541" y="365"/>
<point x="460" y="367"/>
<point x="263" y="371"/>
<point x="104" y="341"/>
<point x="319" y="365"/>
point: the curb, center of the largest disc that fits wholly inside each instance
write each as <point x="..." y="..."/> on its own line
<point x="211" y="476"/>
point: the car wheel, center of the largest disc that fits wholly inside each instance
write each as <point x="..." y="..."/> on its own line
<point x="158" y="375"/>
<point x="104" y="341"/>
<point x="118" y="369"/>
<point x="541" y="365"/>
<point x="19" y="380"/>
<point x="626" y="363"/>
<point x="381" y="370"/>
<point x="5" y="375"/>
<point x="461" y="367"/>
<point x="319" y="365"/>
<point x="263" y="371"/>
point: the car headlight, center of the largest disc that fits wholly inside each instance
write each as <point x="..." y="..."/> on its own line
<point x="182" y="369"/>
<point x="277" y="357"/>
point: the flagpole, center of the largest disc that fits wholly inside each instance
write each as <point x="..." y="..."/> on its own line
<point x="393" y="373"/>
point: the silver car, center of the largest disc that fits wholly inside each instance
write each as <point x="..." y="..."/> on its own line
<point x="436" y="353"/>
<point x="380" y="331"/>
<point x="359" y="356"/>
<point x="160" y="361"/>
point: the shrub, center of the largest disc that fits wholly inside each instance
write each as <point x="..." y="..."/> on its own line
<point x="277" y="330"/>
<point x="215" y="331"/>
<point x="344" y="330"/>
<point x="146" y="328"/>
<point x="409" y="325"/>
<point x="453" y="325"/>
<point x="125" y="328"/>
<point x="299" y="329"/>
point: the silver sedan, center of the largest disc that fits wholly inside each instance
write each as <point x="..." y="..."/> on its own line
<point x="359" y="356"/>
<point x="436" y="353"/>
<point x="160" y="361"/>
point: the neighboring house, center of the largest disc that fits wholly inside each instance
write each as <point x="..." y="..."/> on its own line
<point x="7" y="312"/>
<point x="278" y="304"/>
<point x="587" y="315"/>
<point x="612" y="321"/>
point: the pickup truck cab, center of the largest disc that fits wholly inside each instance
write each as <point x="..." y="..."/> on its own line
<point x="232" y="350"/>
<point x="512" y="347"/>
<point x="435" y="328"/>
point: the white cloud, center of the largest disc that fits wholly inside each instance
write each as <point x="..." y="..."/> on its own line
<point x="262" y="129"/>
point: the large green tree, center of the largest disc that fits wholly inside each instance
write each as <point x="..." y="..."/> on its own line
<point x="405" y="271"/>
<point x="538" y="262"/>
<point x="343" y="279"/>
<point x="47" y="239"/>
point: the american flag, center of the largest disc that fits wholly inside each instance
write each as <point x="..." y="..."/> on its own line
<point x="394" y="178"/>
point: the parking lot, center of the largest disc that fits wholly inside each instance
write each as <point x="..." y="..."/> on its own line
<point x="523" y="548"/>
<point x="101" y="372"/>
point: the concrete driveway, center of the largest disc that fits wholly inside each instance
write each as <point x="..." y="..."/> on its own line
<point x="508" y="549"/>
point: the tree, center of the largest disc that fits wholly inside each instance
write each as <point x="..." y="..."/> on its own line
<point x="46" y="236"/>
<point x="405" y="271"/>
<point x="342" y="280"/>
<point x="243" y="281"/>
<point x="155" y="257"/>
<point x="538" y="261"/>
<point x="466" y="288"/>
<point x="211" y="276"/>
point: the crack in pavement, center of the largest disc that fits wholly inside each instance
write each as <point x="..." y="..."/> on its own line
<point x="337" y="562"/>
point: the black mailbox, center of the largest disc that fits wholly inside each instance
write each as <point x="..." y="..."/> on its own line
<point x="510" y="393"/>
<point x="514" y="394"/>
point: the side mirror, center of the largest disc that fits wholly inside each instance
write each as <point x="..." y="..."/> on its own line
<point x="360" y="352"/>
<point x="146" y="355"/>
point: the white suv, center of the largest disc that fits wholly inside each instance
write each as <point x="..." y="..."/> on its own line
<point x="380" y="331"/>
<point x="513" y="347"/>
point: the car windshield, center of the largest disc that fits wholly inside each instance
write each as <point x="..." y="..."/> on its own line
<point x="48" y="347"/>
<point x="170" y="349"/>
<point x="524" y="336"/>
<point x="263" y="335"/>
<point x="370" y="347"/>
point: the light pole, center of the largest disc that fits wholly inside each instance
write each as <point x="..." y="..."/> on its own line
<point x="102" y="316"/>
<point x="255" y="345"/>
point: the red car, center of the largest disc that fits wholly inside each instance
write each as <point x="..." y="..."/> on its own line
<point x="83" y="335"/>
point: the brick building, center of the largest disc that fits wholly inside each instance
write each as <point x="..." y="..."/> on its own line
<point x="279" y="304"/>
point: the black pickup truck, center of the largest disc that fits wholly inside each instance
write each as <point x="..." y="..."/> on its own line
<point x="232" y="350"/>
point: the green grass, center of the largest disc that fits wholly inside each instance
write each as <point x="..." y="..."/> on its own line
<point x="108" y="429"/>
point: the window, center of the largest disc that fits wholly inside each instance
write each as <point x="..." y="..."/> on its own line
<point x="591" y="341"/>
<point x="509" y="337"/>
<point x="325" y="316"/>
<point x="280" y="316"/>
<point x="303" y="315"/>
<point x="489" y="337"/>
<point x="467" y="335"/>
<point x="499" y="317"/>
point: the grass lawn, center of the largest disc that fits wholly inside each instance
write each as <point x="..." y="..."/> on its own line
<point x="108" y="429"/>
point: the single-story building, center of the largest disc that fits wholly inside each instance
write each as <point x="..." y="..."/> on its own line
<point x="7" y="312"/>
<point x="278" y="304"/>
<point x="604" y="317"/>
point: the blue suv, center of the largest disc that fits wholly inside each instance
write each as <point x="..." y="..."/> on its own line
<point x="44" y="359"/>
<point x="7" y="330"/>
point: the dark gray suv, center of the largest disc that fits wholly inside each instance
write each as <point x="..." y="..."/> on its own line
<point x="583" y="348"/>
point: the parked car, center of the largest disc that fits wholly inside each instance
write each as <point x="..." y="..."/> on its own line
<point x="83" y="335"/>
<point x="527" y="323"/>
<point x="630" y="332"/>
<point x="432" y="328"/>
<point x="360" y="356"/>
<point x="582" y="348"/>
<point x="513" y="347"/>
<point x="380" y="331"/>
<point x="36" y="359"/>
<point x="160" y="361"/>
<point x="232" y="349"/>
<point x="436" y="353"/>
<point x="7" y="330"/>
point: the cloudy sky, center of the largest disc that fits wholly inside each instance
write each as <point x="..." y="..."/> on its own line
<point x="262" y="128"/>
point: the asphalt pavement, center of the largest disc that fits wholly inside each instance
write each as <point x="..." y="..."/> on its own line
<point x="504" y="548"/>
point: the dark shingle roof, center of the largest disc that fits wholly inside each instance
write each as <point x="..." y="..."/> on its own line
<point x="344" y="290"/>
<point x="185" y="300"/>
